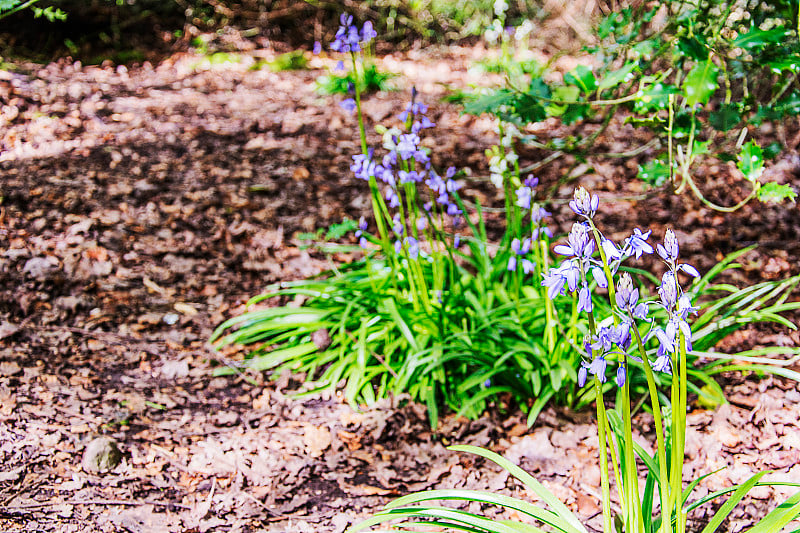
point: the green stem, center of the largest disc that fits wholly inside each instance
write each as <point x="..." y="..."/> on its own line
<point x="601" y="434"/>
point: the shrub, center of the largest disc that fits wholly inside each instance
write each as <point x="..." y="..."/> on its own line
<point x="700" y="76"/>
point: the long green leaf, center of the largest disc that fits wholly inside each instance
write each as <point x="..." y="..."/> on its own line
<point x="540" y="490"/>
<point x="778" y="517"/>
<point x="732" y="502"/>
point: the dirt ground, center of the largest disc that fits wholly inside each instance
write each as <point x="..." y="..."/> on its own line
<point x="143" y="207"/>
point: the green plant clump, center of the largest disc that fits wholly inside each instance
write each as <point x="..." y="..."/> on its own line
<point x="700" y="76"/>
<point x="438" y="311"/>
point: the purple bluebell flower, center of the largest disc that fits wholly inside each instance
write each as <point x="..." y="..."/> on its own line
<point x="585" y="299"/>
<point x="669" y="250"/>
<point x="556" y="278"/>
<point x="421" y="124"/>
<point x="627" y="296"/>
<point x="603" y="340"/>
<point x="668" y="290"/>
<point x="427" y="206"/>
<point x="407" y="145"/>
<point x="422" y="223"/>
<point x="363" y="167"/>
<point x="524" y="195"/>
<point x="397" y="225"/>
<point x="451" y="171"/>
<point x="413" y="247"/>
<point x="598" y="368"/>
<point x="457" y="241"/>
<point x="531" y="181"/>
<point x="662" y="363"/>
<point x="398" y="246"/>
<point x="528" y="266"/>
<point x="584" y="204"/>
<point x="453" y="210"/>
<point x="392" y="198"/>
<point x="347" y="38"/>
<point x="339" y="66"/>
<point x="621" y="335"/>
<point x="367" y="32"/>
<point x="580" y="243"/>
<point x="611" y="250"/>
<point x="362" y="242"/>
<point x="637" y="243"/>
<point x="408" y="177"/>
<point x="583" y="374"/>
<point x="599" y="276"/>
<point x="348" y="105"/>
<point x="620" y="379"/>
<point x="317" y="48"/>
<point x="512" y="263"/>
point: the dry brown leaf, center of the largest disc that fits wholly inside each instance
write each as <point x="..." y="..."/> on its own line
<point x="316" y="439"/>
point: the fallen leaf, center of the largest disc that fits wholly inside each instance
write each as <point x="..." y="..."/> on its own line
<point x="316" y="439"/>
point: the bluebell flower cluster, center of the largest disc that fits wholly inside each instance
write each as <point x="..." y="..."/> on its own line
<point x="520" y="249"/>
<point x="348" y="38"/>
<point x="612" y="338"/>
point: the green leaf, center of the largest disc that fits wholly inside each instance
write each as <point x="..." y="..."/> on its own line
<point x="655" y="173"/>
<point x="583" y="78"/>
<point x="790" y="63"/>
<point x="271" y="359"/>
<point x="693" y="48"/>
<point x="540" y="490"/>
<point x="618" y="76"/>
<point x="653" y="98"/>
<point x="700" y="83"/>
<point x="728" y="506"/>
<point x="337" y="231"/>
<point x="777" y="519"/>
<point x="751" y="161"/>
<point x="776" y="193"/>
<point x="489" y="103"/>
<point x="726" y="117"/>
<point x="756" y="38"/>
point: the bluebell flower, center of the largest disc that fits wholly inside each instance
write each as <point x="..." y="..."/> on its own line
<point x="363" y="167"/>
<point x="556" y="278"/>
<point x="392" y="198"/>
<point x="668" y="290"/>
<point x="363" y="242"/>
<point x="627" y="296"/>
<point x="611" y="250"/>
<point x="599" y="277"/>
<point x="413" y="247"/>
<point x="451" y="171"/>
<point x="457" y="241"/>
<point x="398" y="246"/>
<point x="603" y="339"/>
<point x="598" y="368"/>
<point x="580" y="243"/>
<point x="620" y="379"/>
<point x="637" y="243"/>
<point x="669" y="250"/>
<point x="367" y="32"/>
<point x="524" y="195"/>
<point x="407" y="145"/>
<point x="583" y="374"/>
<point x="585" y="299"/>
<point x="427" y="206"/>
<point x="422" y="223"/>
<point x="528" y="266"/>
<point x="339" y="66"/>
<point x="421" y="124"/>
<point x="348" y="105"/>
<point x="512" y="263"/>
<point x="317" y="48"/>
<point x="408" y="177"/>
<point x="453" y="210"/>
<point x="397" y="225"/>
<point x="531" y="181"/>
<point x="584" y="204"/>
<point x="662" y="363"/>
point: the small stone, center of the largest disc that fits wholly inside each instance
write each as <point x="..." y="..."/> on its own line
<point x="101" y="455"/>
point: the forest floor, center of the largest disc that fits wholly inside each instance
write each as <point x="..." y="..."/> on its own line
<point x="143" y="207"/>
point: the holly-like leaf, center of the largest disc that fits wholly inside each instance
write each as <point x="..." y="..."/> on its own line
<point x="618" y="76"/>
<point x="700" y="83"/>
<point x="655" y="173"/>
<point x="725" y="118"/>
<point x="488" y="103"/>
<point x="756" y="38"/>
<point x="751" y="161"/>
<point x="583" y="78"/>
<point x="653" y="98"/>
<point x="790" y="63"/>
<point x="776" y="193"/>
<point x="693" y="48"/>
<point x="700" y="147"/>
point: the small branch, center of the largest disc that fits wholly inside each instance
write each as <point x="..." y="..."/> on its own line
<point x="31" y="506"/>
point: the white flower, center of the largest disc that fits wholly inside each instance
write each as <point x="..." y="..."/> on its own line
<point x="512" y="158"/>
<point x="390" y="137"/>
<point x="500" y="8"/>
<point x="497" y="180"/>
<point x="523" y="30"/>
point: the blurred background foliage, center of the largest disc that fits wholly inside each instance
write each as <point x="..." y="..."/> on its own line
<point x="134" y="30"/>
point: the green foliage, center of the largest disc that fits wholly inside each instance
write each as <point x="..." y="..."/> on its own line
<point x="368" y="79"/>
<point x="51" y="13"/>
<point x="295" y="60"/>
<point x="691" y="73"/>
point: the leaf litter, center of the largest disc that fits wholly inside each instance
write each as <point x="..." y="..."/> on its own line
<point x="142" y="207"/>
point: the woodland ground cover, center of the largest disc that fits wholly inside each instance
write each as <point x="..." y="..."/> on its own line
<point x="214" y="465"/>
